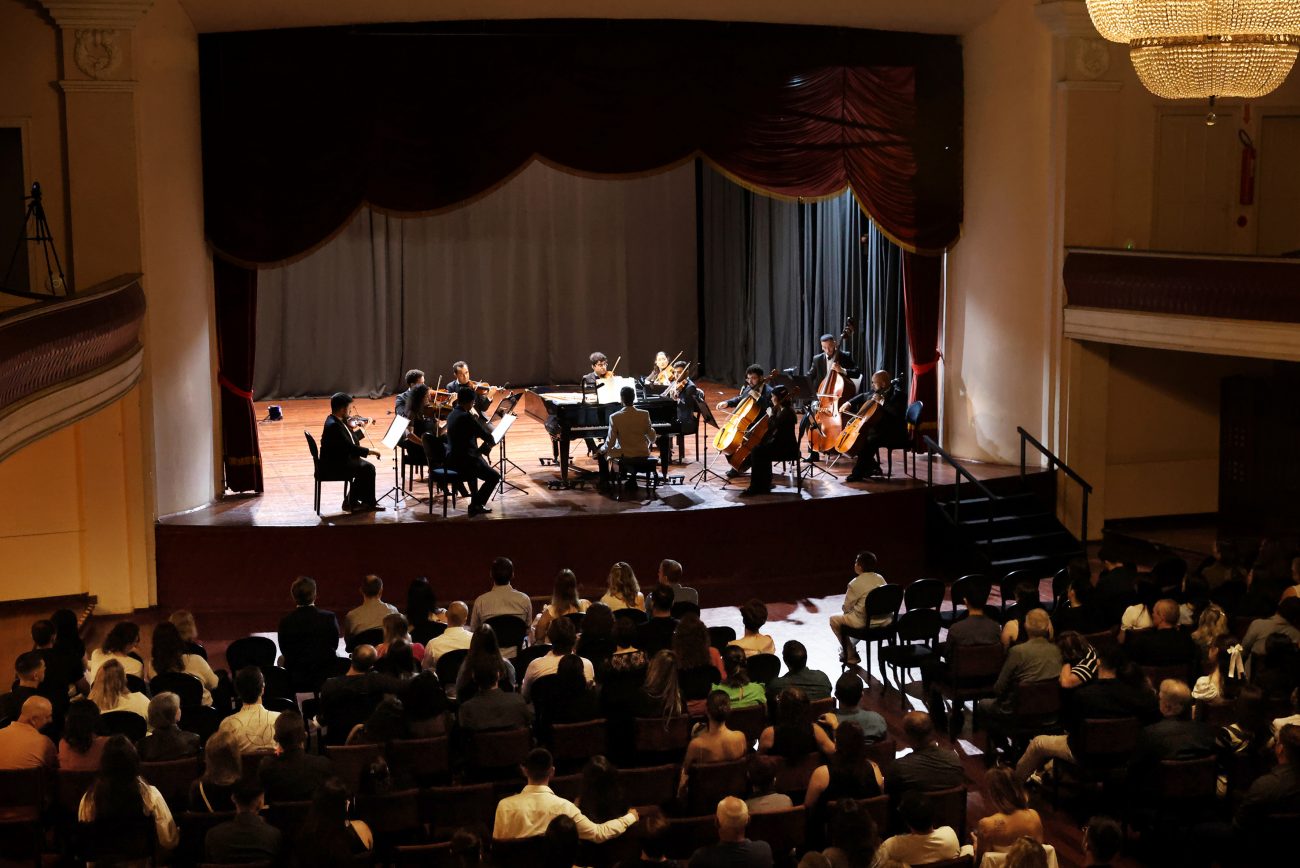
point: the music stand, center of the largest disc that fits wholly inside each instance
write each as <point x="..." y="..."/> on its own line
<point x="506" y="408"/>
<point x="499" y="437"/>
<point x="393" y="439"/>
<point x="707" y="418"/>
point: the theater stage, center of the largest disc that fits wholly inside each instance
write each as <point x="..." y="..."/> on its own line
<point x="237" y="557"/>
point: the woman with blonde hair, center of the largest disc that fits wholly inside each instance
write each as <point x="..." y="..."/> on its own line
<point x="1212" y="624"/>
<point x="110" y="693"/>
<point x="564" y="601"/>
<point x="660" y="695"/>
<point x="213" y="793"/>
<point x="623" y="592"/>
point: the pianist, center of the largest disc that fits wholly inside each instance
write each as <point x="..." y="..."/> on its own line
<point x="629" y="436"/>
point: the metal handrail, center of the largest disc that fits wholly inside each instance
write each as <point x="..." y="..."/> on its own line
<point x="1055" y="463"/>
<point x="936" y="449"/>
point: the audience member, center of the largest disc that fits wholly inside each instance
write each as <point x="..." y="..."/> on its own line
<point x="1012" y="819"/>
<point x="561" y="839"/>
<point x="733" y="849"/>
<point x="762" y="784"/>
<point x="848" y="696"/>
<point x="80" y="749"/>
<point x="346" y="700"/>
<point x="166" y="740"/>
<point x="327" y="836"/>
<point x="1116" y="584"/>
<point x="1285" y="621"/>
<point x="466" y="849"/>
<point x="1026" y="853"/>
<point x="398" y="629"/>
<point x="252" y="726"/>
<point x="922" y="842"/>
<point x="111" y="693"/>
<point x="1279" y="790"/>
<point x="928" y="767"/>
<point x="22" y="746"/>
<point x="67" y="640"/>
<point x="213" y="793"/>
<point x="854" y="838"/>
<point x="654" y="833"/>
<point x="1210" y="625"/>
<point x="503" y="599"/>
<point x="660" y="695"/>
<point x="1275" y="672"/>
<point x="793" y="733"/>
<point x="398" y="661"/>
<point x="1193" y="597"/>
<point x="1082" y="614"/>
<point x="813" y="682"/>
<point x="715" y="742"/>
<point x="527" y="814"/>
<point x="754" y="615"/>
<point x="121" y="644"/>
<point x="483" y="649"/>
<point x="1078" y="660"/>
<point x="387" y="723"/>
<point x="1166" y="645"/>
<point x="1175" y="736"/>
<point x="564" y="636"/>
<point x="183" y="619"/>
<point x="670" y="574"/>
<point x="1248" y="735"/>
<point x="65" y="667"/>
<point x="309" y="637"/>
<point x="422" y="604"/>
<point x="1034" y="660"/>
<point x="246" y="838"/>
<point x="455" y="638"/>
<point x="373" y="610"/>
<point x="1223" y="671"/>
<point x="428" y="711"/>
<point x="656" y="633"/>
<point x="854" y="611"/>
<point x="602" y="797"/>
<point x="30" y="669"/>
<point x="1014" y="631"/>
<point x="976" y="628"/>
<point x="622" y="590"/>
<point x="565" y="601"/>
<point x="691" y="645"/>
<point x="848" y="774"/>
<point x="491" y="707"/>
<point x="169" y="655"/>
<point x="627" y="657"/>
<point x="597" y="640"/>
<point x="574" y="699"/>
<point x="1140" y="615"/>
<point x="120" y="794"/>
<point x="1102" y="839"/>
<point x="736" y="685"/>
<point x="292" y="775"/>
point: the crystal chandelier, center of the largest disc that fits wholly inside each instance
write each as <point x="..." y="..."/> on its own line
<point x="1198" y="49"/>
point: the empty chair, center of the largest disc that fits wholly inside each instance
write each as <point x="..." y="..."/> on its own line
<point x="792" y="777"/>
<point x="126" y="723"/>
<point x="373" y="636"/>
<point x="511" y="630"/>
<point x="202" y="720"/>
<point x="575" y="743"/>
<point x="751" y="721"/>
<point x="528" y="655"/>
<point x="499" y="753"/>
<point x="186" y="686"/>
<point x="448" y="665"/>
<point x="710" y="783"/>
<point x="278" y="684"/>
<point x="427" y="632"/>
<point x="924" y="594"/>
<point x="445" y="809"/>
<point x="428" y="760"/>
<point x="915" y="638"/>
<point x="256" y="651"/>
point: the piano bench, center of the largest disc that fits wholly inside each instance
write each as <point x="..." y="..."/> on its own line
<point x="629" y="468"/>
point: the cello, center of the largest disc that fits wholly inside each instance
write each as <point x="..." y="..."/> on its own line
<point x="754" y="434"/>
<point x="732" y="432"/>
<point x="833" y="390"/>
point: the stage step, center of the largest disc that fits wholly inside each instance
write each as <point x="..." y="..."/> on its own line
<point x="1012" y="532"/>
<point x="1010" y="506"/>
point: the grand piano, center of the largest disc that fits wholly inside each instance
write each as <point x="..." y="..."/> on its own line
<point x="570" y="413"/>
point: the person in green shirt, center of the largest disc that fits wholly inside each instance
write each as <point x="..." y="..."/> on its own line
<point x="737" y="686"/>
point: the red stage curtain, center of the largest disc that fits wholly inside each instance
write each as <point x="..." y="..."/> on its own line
<point x="300" y="128"/>
<point x="922" y="297"/>
<point x="236" y="304"/>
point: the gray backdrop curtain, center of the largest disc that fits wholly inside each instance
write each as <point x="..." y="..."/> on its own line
<point x="777" y="275"/>
<point x="523" y="284"/>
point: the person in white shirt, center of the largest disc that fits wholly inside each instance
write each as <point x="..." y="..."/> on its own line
<point x="373" y="610"/>
<point x="922" y="842"/>
<point x="169" y="655"/>
<point x="110" y="693"/>
<point x="121" y="642"/>
<point x="119" y="793"/>
<point x="454" y="638"/>
<point x="865" y="580"/>
<point x="503" y="599"/>
<point x="563" y="637"/>
<point x="252" y="726"/>
<point x="527" y="814"/>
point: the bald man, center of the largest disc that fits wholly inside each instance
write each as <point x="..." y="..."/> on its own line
<point x="733" y="849"/>
<point x="1175" y="736"/>
<point x="888" y="426"/>
<point x="21" y="744"/>
<point x="1166" y="645"/>
<point x="454" y="638"/>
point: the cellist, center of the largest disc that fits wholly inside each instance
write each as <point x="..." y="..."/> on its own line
<point x="888" y="426"/>
<point x="831" y="357"/>
<point x="779" y="443"/>
<point x="755" y="387"/>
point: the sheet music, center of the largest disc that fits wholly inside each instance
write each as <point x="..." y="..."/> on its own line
<point x="503" y="427"/>
<point x="607" y="392"/>
<point x="396" y="430"/>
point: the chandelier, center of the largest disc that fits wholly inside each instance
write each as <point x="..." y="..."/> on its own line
<point x="1198" y="49"/>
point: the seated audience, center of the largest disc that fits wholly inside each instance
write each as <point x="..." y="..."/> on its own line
<point x="398" y="661"/>
<point x="428" y="711"/>
<point x="1012" y="819"/>
<point x="398" y="629"/>
<point x="252" y="726"/>
<point x="602" y="797"/>
<point x="670" y="574"/>
<point x="373" y="610"/>
<point x="1176" y="736"/>
<point x="80" y="749"/>
<point x="1285" y="621"/>
<point x="854" y="610"/>
<point x="527" y="814"/>
<point x="455" y="638"/>
<point x="120" y="794"/>
<point x="848" y="696"/>
<point x="1210" y="625"/>
<point x="793" y="733"/>
<point x="422" y="604"/>
<point x="627" y="657"/>
<point x="1116" y="584"/>
<point x="656" y="634"/>
<point x="976" y="628"/>
<point x="573" y="700"/>
<point x="1276" y="792"/>
<point x="1081" y="614"/>
<point x="715" y="742"/>
<point x="565" y="601"/>
<point x="660" y="695"/>
<point x="121" y="644"/>
<point x="503" y="599"/>
<point x="166" y="741"/>
<point x="922" y="842"/>
<point x="483" y="649"/>
<point x="1027" y="601"/>
<point x="1223" y="671"/>
<point x="733" y="849"/>
<point x="622" y="591"/>
<point x="292" y="775"/>
<point x="564" y="636"/>
<point x="111" y="693"/>
<point x="169" y="655"/>
<point x="246" y="838"/>
<point x="1276" y="672"/>
<point x="762" y="786"/>
<point x="1102" y="839"/>
<point x="213" y="793"/>
<point x="813" y="682"/>
<point x="928" y="767"/>
<point x="854" y="838"/>
<point x="1078" y="660"/>
<point x="561" y="840"/>
<point x="385" y="724"/>
<point x="754" y="615"/>
<point x="1166" y="645"/>
<point x="21" y="744"/>
<point x="327" y="836"/>
<point x="346" y="700"/>
<point x="491" y="707"/>
<point x="1033" y="660"/>
<point x="736" y="685"/>
<point x="848" y="774"/>
<point x="655" y="835"/>
<point x="30" y="670"/>
<point x="597" y="640"/>
<point x="691" y="645"/>
<point x="1026" y="853"/>
<point x="1140" y="615"/>
<point x="189" y="630"/>
<point x="308" y="636"/>
<point x="1248" y="735"/>
<point x="65" y="666"/>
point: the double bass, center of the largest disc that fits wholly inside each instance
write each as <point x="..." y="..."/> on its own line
<point x="833" y="390"/>
<point x="733" y="431"/>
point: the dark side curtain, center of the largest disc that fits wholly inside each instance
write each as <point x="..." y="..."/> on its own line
<point x="235" y="290"/>
<point x="301" y="127"/>
<point x="923" y="299"/>
<point x="778" y="274"/>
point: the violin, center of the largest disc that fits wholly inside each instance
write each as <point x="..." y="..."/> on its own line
<point x="676" y="382"/>
<point x="833" y="390"/>
<point x="662" y="376"/>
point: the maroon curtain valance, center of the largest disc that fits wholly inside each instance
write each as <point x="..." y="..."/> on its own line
<point x="301" y="127"/>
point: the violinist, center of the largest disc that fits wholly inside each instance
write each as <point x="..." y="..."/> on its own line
<point x="780" y="443"/>
<point x="888" y="426"/>
<point x="683" y="390"/>
<point x="411" y="454"/>
<point x="592" y="380"/>
<point x="662" y="372"/>
<point x="466" y="430"/>
<point x="830" y="358"/>
<point x="759" y="390"/>
<point x="460" y="371"/>
<point x="341" y="457"/>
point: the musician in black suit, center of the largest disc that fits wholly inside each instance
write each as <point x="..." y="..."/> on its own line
<point x="830" y="357"/>
<point x="341" y="456"/>
<point x="888" y="426"/>
<point x="780" y="443"/>
<point x="591" y="381"/>
<point x="465" y="431"/>
<point x="688" y="412"/>
<point x="414" y="377"/>
<point x="754" y="387"/>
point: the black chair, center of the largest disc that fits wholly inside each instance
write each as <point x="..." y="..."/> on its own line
<point x="202" y="720"/>
<point x="683" y="608"/>
<point x="637" y="616"/>
<point x="1104" y="747"/>
<point x="449" y="664"/>
<point x="279" y="704"/>
<point x="783" y="830"/>
<point x="350" y="762"/>
<point x="447" y="481"/>
<point x="697" y="682"/>
<point x="950" y="809"/>
<point x="528" y="655"/>
<point x="658" y="740"/>
<point x="427" y="632"/>
<point x="924" y="594"/>
<point x="710" y="783"/>
<point x="688" y="834"/>
<point x="393" y="817"/>
<point x="136" y="684"/>
<point x="1060" y="589"/>
<point x="914" y="644"/>
<point x="653" y="785"/>
<point x="277" y="683"/>
<point x="511" y="630"/>
<point x="1007" y="587"/>
<point x="256" y="651"/>
<point x="958" y="595"/>
<point x="186" y="686"/>
<point x="445" y="809"/>
<point x="882" y="602"/>
<point x="751" y="721"/>
<point x="721" y="637"/>
<point x="972" y="672"/>
<point x="572" y="744"/>
<point x="126" y="723"/>
<point x="428" y="760"/>
<point x="373" y="636"/>
<point x="173" y="779"/>
<point x="119" y="840"/>
<point x="320" y="477"/>
<point x="762" y="667"/>
<point x="575" y="618"/>
<point x="907" y="442"/>
<point x="1037" y="711"/>
<point x="883" y="753"/>
<point x="22" y="800"/>
<point x="194" y="829"/>
<point x="496" y="754"/>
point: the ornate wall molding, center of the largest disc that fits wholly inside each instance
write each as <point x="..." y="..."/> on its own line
<point x="1194" y="334"/>
<point x="97" y="14"/>
<point x="80" y="85"/>
<point x="97" y="52"/>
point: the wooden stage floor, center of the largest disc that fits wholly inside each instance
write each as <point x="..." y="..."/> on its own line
<point x="287" y="475"/>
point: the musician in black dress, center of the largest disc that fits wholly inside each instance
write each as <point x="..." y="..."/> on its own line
<point x="342" y="457"/>
<point x="830" y="357"/>
<point x="889" y="426"/>
<point x="466" y="429"/>
<point x="780" y="443"/>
